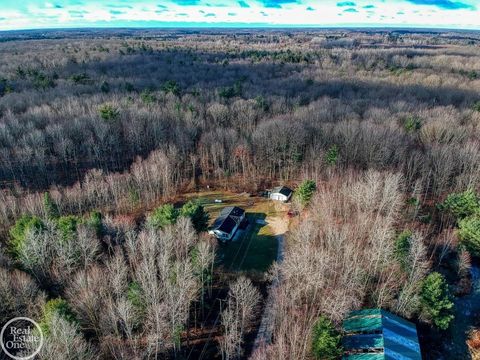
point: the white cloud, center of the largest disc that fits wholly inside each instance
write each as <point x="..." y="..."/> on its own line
<point x="38" y="14"/>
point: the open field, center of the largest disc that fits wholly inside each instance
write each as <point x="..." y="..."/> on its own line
<point x="251" y="204"/>
<point x="254" y="247"/>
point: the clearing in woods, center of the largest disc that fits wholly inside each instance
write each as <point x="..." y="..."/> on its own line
<point x="255" y="247"/>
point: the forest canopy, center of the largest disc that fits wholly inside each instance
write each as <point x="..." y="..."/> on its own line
<point x="110" y="139"/>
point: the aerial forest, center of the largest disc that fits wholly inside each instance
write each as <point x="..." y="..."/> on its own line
<point x="105" y="133"/>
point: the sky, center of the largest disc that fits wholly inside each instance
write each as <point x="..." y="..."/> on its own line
<point x="35" y="14"/>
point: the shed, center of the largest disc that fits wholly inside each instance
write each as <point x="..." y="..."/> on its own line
<point x="281" y="193"/>
<point x="376" y="334"/>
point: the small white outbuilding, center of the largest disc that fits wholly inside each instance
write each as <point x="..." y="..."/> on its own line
<point x="281" y="193"/>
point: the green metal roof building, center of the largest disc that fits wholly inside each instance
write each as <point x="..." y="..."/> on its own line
<point x="376" y="334"/>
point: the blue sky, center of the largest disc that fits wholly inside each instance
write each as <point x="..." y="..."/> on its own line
<point x="28" y="14"/>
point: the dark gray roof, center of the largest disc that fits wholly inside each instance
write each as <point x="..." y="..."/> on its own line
<point x="228" y="219"/>
<point x="232" y="211"/>
<point x="282" y="190"/>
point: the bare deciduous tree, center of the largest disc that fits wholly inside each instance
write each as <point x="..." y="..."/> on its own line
<point x="65" y="341"/>
<point x="242" y="301"/>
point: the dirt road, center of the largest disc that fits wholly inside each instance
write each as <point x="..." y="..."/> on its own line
<point x="279" y="226"/>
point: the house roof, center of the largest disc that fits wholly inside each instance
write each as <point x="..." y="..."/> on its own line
<point x="230" y="216"/>
<point x="282" y="190"/>
<point x="232" y="211"/>
<point x="379" y="334"/>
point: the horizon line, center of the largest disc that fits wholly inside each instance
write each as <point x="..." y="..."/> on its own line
<point x="257" y="26"/>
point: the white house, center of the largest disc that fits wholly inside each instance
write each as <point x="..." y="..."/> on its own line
<point x="226" y="225"/>
<point x="281" y="193"/>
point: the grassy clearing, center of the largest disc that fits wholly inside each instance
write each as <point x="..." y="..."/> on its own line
<point x="256" y="248"/>
<point x="246" y="202"/>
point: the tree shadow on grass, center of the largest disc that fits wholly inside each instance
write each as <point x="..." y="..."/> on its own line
<point x="252" y="249"/>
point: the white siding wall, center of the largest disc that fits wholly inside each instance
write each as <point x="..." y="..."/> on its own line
<point x="278" y="197"/>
